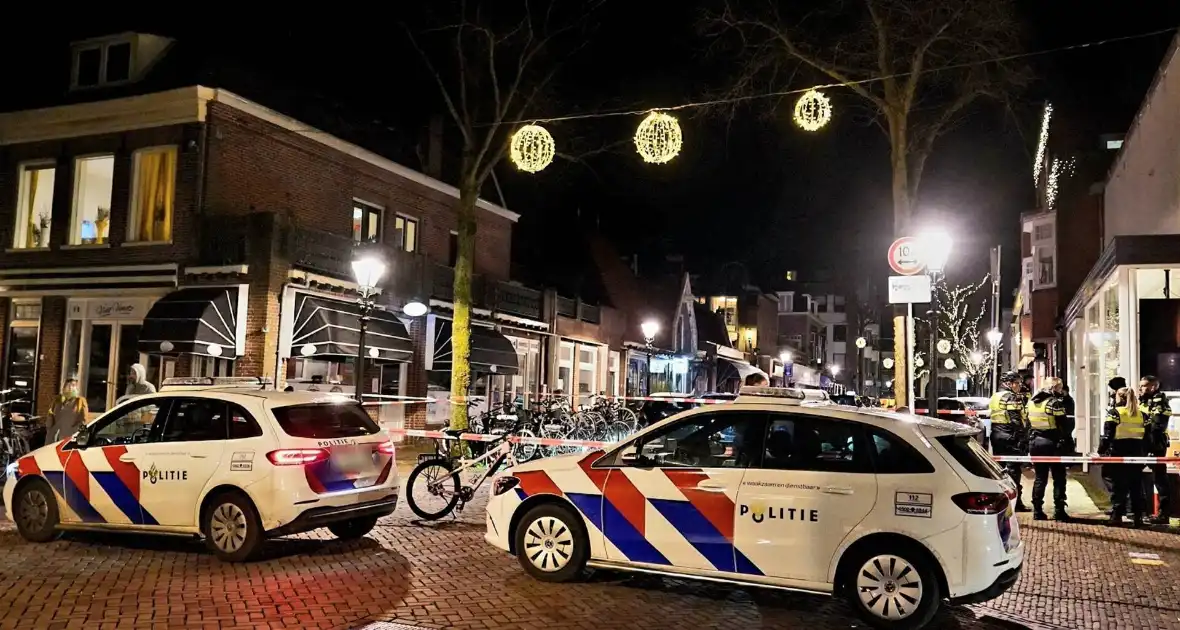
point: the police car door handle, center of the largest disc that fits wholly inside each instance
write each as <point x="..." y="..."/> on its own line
<point x="126" y="457"/>
<point x="711" y="486"/>
<point x="837" y="490"/>
<point x="195" y="456"/>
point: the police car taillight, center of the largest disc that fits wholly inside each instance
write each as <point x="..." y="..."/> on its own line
<point x="981" y="502"/>
<point x="386" y="448"/>
<point x="297" y="456"/>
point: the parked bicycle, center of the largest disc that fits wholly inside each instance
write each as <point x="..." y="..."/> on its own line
<point x="437" y="486"/>
<point x="14" y="440"/>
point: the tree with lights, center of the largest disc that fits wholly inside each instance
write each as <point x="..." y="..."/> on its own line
<point x="919" y="66"/>
<point x="491" y="63"/>
<point x="961" y="311"/>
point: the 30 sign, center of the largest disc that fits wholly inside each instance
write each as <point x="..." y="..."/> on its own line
<point x="904" y="257"/>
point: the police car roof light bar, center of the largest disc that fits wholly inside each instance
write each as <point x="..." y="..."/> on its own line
<point x="784" y="393"/>
<point x="217" y="381"/>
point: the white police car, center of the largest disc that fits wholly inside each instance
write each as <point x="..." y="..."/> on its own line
<point x="895" y="512"/>
<point x="212" y="458"/>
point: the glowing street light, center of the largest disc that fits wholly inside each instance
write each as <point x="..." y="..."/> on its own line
<point x="368" y="269"/>
<point x="785" y="357"/>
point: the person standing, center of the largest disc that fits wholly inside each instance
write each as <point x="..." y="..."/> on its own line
<point x="1113" y="385"/>
<point x="1122" y="436"/>
<point x="137" y="383"/>
<point x="1155" y="442"/>
<point x="1010" y="428"/>
<point x="1049" y="431"/>
<point x="67" y="415"/>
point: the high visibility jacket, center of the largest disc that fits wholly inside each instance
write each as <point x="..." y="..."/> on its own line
<point x="1045" y="415"/>
<point x="1126" y="425"/>
<point x="1007" y="407"/>
<point x="1155" y="406"/>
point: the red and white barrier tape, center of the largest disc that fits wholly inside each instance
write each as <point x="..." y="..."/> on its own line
<point x="387" y="399"/>
<point x="1083" y="459"/>
<point x="483" y="437"/>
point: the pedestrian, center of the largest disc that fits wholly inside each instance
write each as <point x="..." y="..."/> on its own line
<point x="1113" y="385"/>
<point x="1122" y="436"/>
<point x="1155" y="442"/>
<point x="1049" y="431"/>
<point x="757" y="379"/>
<point x="67" y="415"/>
<point x="1070" y="409"/>
<point x="1010" y="428"/>
<point x="137" y="383"/>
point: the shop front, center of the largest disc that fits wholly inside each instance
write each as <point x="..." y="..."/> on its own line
<point x="1123" y="322"/>
<point x="493" y="357"/>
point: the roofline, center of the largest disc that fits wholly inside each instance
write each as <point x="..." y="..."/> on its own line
<point x="188" y="105"/>
<point x="1173" y="52"/>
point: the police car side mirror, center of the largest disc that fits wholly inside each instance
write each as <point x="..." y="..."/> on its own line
<point x="82" y="438"/>
<point x="630" y="455"/>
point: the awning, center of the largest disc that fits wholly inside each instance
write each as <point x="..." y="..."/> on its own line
<point x="208" y="321"/>
<point x="729" y="369"/>
<point x="324" y="328"/>
<point x="491" y="352"/>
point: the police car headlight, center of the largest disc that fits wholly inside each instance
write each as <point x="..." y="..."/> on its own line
<point x="504" y="484"/>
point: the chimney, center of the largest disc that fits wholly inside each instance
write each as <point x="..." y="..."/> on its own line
<point x="434" y="147"/>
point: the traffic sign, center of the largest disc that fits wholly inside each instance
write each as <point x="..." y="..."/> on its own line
<point x="904" y="257"/>
<point x="909" y="289"/>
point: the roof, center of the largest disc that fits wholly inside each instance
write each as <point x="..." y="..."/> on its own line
<point x="276" y="398"/>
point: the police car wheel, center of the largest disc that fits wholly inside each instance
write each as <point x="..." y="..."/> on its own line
<point x="551" y="544"/>
<point x="895" y="591"/>
<point x="35" y="512"/>
<point x="233" y="531"/>
<point x="353" y="528"/>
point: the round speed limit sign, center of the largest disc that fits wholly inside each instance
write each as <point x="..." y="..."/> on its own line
<point x="903" y="256"/>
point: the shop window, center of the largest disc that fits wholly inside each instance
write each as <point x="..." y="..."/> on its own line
<point x="612" y="374"/>
<point x="153" y="195"/>
<point x="366" y="222"/>
<point x="93" y="180"/>
<point x="34" y="207"/>
<point x="587" y="370"/>
<point x="1157" y="284"/>
<point x="406" y="234"/>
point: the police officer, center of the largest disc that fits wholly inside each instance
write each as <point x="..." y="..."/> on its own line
<point x="1155" y="441"/>
<point x="1049" y="435"/>
<point x="1010" y="427"/>
<point x="1122" y="436"/>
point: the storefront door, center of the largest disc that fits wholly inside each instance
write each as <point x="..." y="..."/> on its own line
<point x="111" y="347"/>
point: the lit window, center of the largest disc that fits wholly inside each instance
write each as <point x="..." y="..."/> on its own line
<point x="153" y="195"/>
<point x="34" y="212"/>
<point x="93" y="180"/>
<point x="1114" y="144"/>
<point x="406" y="234"/>
<point x="366" y="222"/>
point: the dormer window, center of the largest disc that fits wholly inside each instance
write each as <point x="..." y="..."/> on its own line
<point x="102" y="63"/>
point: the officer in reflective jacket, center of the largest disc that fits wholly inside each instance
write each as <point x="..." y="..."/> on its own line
<point x="1155" y="441"/>
<point x="1122" y="436"/>
<point x="1010" y="427"/>
<point x="1050" y="431"/>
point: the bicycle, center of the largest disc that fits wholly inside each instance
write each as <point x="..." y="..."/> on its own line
<point x="440" y="475"/>
<point x="13" y="445"/>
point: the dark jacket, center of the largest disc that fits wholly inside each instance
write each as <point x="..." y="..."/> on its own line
<point x="1155" y="406"/>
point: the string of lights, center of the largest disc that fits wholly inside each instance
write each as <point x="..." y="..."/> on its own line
<point x="659" y="138"/>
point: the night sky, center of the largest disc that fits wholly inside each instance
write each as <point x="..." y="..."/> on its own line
<point x="753" y="188"/>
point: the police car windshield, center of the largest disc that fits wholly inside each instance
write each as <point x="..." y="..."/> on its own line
<point x="325" y="421"/>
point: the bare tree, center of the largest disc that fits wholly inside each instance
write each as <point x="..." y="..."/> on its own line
<point x="919" y="65"/>
<point x="491" y="66"/>
<point x="961" y="310"/>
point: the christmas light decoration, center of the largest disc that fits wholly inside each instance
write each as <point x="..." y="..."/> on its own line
<point x="812" y="111"/>
<point x="949" y="364"/>
<point x="1039" y="163"/>
<point x="532" y="148"/>
<point x="1051" y="184"/>
<point x="658" y="138"/>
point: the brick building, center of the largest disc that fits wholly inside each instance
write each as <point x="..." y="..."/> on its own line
<point x="152" y="219"/>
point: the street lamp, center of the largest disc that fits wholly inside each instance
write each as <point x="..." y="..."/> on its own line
<point x="414" y="308"/>
<point x="994" y="336"/>
<point x="367" y="268"/>
<point x="861" y="342"/>
<point x="935" y="247"/>
<point x="649" y="329"/>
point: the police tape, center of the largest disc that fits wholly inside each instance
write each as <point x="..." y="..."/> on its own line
<point x="1082" y="459"/>
<point x="675" y="399"/>
<point x="483" y="437"/>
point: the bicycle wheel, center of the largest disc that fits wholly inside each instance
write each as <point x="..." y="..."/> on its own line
<point x="433" y="489"/>
<point x="629" y="417"/>
<point x="524" y="452"/>
<point x="617" y="432"/>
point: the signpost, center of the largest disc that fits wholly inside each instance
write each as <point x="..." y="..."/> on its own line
<point x="904" y="256"/>
<point x="907" y="288"/>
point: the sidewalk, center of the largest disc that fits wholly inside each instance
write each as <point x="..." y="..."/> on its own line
<point x="1077" y="500"/>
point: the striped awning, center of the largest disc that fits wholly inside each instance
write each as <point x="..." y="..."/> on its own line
<point x="491" y="352"/>
<point x="197" y="320"/>
<point x="330" y="329"/>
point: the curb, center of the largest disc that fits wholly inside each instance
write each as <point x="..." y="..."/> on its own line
<point x="1009" y="620"/>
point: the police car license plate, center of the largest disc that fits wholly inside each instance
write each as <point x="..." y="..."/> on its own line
<point x="350" y="459"/>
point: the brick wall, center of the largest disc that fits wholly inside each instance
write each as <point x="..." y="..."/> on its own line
<point x="122" y="145"/>
<point x="53" y="327"/>
<point x="257" y="166"/>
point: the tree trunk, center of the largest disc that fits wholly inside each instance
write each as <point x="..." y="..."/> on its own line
<point x="899" y="148"/>
<point x="461" y="328"/>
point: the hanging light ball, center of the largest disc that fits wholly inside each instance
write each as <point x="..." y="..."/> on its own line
<point x="658" y="138"/>
<point x="813" y="110"/>
<point x="532" y="148"/>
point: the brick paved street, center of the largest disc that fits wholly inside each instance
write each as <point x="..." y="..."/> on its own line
<point x="444" y="576"/>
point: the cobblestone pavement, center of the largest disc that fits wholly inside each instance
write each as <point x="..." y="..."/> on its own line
<point x="407" y="575"/>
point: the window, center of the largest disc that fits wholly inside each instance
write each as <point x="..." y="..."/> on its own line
<point x="34" y="210"/>
<point x="565" y="366"/>
<point x="366" y="222"/>
<point x="93" y="180"/>
<point x="587" y="369"/>
<point x="102" y="64"/>
<point x="453" y="249"/>
<point x="153" y="194"/>
<point x="405" y="235"/>
<point x="971" y="456"/>
<point x="130" y="424"/>
<point x="815" y="444"/>
<point x="212" y="366"/>
<point x="193" y="420"/>
<point x="1043" y="232"/>
<point x="707" y="440"/>
<point x="241" y="424"/>
<point x="893" y="456"/>
<point x="325" y="421"/>
<point x="838" y="305"/>
<point x="840" y="333"/>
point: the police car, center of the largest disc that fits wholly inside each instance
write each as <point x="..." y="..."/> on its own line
<point x="893" y="511"/>
<point x="219" y="459"/>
